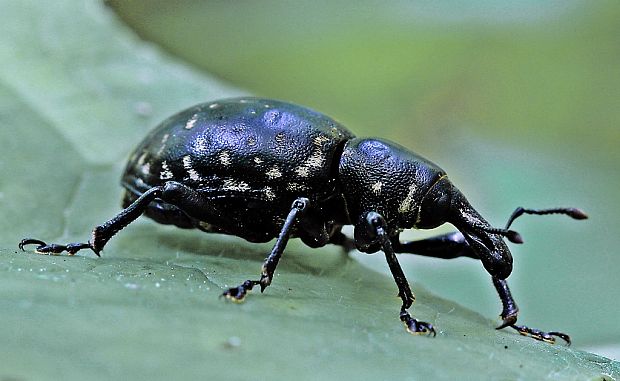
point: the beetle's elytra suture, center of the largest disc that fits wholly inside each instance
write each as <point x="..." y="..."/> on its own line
<point x="263" y="169"/>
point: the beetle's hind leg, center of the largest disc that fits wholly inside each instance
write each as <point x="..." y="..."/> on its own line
<point x="238" y="293"/>
<point x="171" y="192"/>
<point x="54" y="248"/>
<point x="102" y="233"/>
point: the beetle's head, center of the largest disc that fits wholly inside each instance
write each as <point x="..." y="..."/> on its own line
<point x="445" y="203"/>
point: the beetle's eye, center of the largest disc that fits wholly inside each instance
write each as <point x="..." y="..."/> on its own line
<point x="436" y="205"/>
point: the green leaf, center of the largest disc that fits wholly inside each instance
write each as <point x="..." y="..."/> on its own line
<point x="77" y="91"/>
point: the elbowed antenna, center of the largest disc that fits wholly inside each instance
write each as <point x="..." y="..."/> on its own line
<point x="575" y="213"/>
<point x="512" y="235"/>
<point x="515" y="237"/>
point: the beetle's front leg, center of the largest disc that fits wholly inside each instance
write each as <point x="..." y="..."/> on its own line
<point x="377" y="225"/>
<point x="510" y="312"/>
<point x="454" y="245"/>
<point x="238" y="293"/>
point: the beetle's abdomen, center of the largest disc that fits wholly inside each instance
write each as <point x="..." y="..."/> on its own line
<point x="255" y="149"/>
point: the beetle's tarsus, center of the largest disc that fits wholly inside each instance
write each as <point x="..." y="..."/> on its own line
<point x="53" y="248"/>
<point x="30" y="241"/>
<point x="237" y="294"/>
<point x="547" y="337"/>
<point x="510" y="312"/>
<point x="415" y="326"/>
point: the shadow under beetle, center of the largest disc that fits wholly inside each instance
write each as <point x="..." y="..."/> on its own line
<point x="263" y="169"/>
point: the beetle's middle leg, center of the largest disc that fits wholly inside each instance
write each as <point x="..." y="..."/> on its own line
<point x="271" y="262"/>
<point x="376" y="223"/>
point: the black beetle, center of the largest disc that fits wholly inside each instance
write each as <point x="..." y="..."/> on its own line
<point x="263" y="169"/>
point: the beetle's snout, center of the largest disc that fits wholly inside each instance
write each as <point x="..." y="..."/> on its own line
<point x="483" y="239"/>
<point x="503" y="271"/>
<point x="492" y="251"/>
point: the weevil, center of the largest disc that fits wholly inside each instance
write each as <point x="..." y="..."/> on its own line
<point x="264" y="169"/>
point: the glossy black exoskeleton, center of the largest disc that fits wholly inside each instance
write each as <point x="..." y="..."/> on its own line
<point x="263" y="169"/>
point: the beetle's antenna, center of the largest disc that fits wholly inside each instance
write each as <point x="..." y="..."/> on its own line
<point x="512" y="235"/>
<point x="575" y="213"/>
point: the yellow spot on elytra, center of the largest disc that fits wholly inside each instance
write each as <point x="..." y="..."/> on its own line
<point x="273" y="173"/>
<point x="302" y="171"/>
<point x="191" y="172"/>
<point x="225" y="158"/>
<point x="319" y="140"/>
<point x="191" y="122"/>
<point x="269" y="194"/>
<point x="316" y="160"/>
<point x="187" y="162"/>
<point x="165" y="174"/>
<point x="164" y="139"/>
<point x="193" y="175"/>
<point x="233" y="185"/>
<point x="408" y="202"/>
<point x="295" y="187"/>
<point x="376" y="187"/>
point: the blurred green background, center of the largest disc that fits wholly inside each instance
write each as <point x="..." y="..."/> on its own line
<point x="518" y="100"/>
